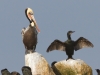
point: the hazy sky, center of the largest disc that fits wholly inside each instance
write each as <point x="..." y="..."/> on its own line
<point x="54" y="18"/>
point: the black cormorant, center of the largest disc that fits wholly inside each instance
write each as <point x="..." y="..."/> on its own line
<point x="69" y="46"/>
<point x="15" y="73"/>
<point x="29" y="34"/>
<point x="5" y="72"/>
<point x="98" y="71"/>
<point x="26" y="70"/>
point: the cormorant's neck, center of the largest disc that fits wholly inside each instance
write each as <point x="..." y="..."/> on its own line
<point x="69" y="37"/>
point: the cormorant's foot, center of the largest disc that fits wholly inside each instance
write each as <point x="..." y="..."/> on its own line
<point x="70" y="58"/>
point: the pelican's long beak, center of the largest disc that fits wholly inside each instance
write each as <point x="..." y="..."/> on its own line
<point x="34" y="21"/>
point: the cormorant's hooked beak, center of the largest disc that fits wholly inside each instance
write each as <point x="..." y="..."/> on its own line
<point x="70" y="32"/>
<point x="73" y="31"/>
<point x="34" y="21"/>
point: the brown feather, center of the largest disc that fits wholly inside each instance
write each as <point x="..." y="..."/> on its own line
<point x="82" y="43"/>
<point x="56" y="45"/>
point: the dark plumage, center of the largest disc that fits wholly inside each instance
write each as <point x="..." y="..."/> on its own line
<point x="26" y="70"/>
<point x="69" y="46"/>
<point x="29" y="34"/>
<point x="14" y="73"/>
<point x="5" y="72"/>
<point x="98" y="71"/>
<point x="53" y="63"/>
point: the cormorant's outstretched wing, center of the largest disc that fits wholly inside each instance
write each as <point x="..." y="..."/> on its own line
<point x="14" y="73"/>
<point x="98" y="71"/>
<point x="56" y="45"/>
<point x="82" y="43"/>
<point x="5" y="72"/>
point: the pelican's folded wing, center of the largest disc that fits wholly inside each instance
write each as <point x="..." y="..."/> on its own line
<point x="23" y="31"/>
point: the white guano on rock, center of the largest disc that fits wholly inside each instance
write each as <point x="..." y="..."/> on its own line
<point x="72" y="67"/>
<point x="38" y="64"/>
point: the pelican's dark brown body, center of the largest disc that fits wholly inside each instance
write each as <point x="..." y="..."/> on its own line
<point x="30" y="38"/>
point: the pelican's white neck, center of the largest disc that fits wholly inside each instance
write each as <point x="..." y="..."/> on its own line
<point x="32" y="24"/>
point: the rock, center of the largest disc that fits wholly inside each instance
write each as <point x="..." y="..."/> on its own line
<point x="72" y="67"/>
<point x="38" y="64"/>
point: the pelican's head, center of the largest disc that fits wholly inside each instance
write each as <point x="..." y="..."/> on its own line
<point x="30" y="15"/>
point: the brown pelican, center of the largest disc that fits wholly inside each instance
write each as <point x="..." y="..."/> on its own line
<point x="69" y="46"/>
<point x="29" y="34"/>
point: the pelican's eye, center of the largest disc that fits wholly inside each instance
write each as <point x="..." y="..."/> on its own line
<point x="31" y="13"/>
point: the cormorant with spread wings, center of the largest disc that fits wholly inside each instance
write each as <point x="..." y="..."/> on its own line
<point x="69" y="46"/>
